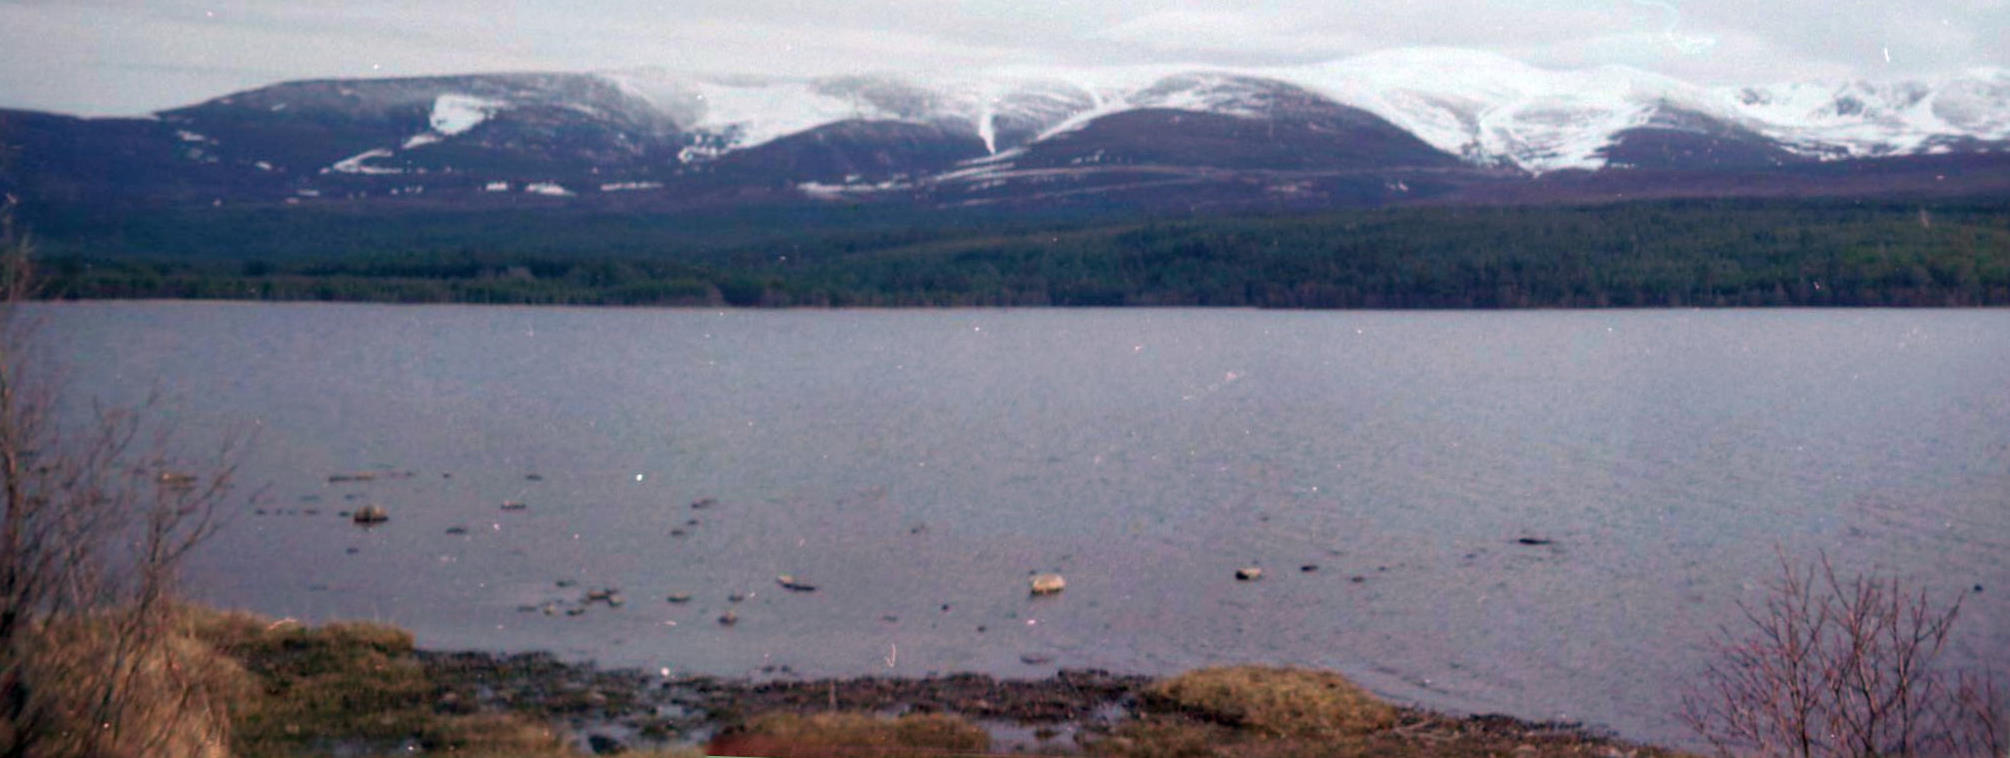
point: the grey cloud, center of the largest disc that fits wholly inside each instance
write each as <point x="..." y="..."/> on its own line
<point x="113" y="56"/>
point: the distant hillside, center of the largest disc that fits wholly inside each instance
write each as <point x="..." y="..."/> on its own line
<point x="1390" y="128"/>
<point x="1647" y="253"/>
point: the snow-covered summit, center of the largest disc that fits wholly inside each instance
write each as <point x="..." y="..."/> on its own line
<point x="731" y="113"/>
<point x="1493" y="109"/>
<point x="1485" y="108"/>
<point x="1866" y="118"/>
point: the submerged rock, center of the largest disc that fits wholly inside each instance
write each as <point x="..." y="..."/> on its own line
<point x="793" y="584"/>
<point x="602" y="744"/>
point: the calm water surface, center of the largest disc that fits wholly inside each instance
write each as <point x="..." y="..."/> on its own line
<point x="918" y="464"/>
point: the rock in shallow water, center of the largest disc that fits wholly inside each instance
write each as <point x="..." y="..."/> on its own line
<point x="602" y="744"/>
<point x="794" y="584"/>
<point x="1048" y="584"/>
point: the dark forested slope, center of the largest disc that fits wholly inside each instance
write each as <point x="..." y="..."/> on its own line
<point x="1659" y="253"/>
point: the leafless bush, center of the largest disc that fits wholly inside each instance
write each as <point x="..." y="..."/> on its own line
<point x="95" y="519"/>
<point x="1830" y="666"/>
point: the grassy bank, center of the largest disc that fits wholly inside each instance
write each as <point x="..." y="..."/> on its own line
<point x="364" y="689"/>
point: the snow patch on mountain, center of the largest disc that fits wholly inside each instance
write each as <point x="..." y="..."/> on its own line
<point x="359" y="164"/>
<point x="734" y="113"/>
<point x="987" y="129"/>
<point x="757" y="115"/>
<point x="454" y="114"/>
<point x="725" y="113"/>
<point x="1490" y="108"/>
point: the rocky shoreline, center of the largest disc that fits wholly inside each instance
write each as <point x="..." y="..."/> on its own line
<point x="609" y="710"/>
<point x="634" y="706"/>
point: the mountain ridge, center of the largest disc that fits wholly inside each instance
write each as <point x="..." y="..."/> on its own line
<point x="1390" y="126"/>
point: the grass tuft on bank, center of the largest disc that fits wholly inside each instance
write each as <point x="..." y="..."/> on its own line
<point x="1276" y="702"/>
<point x="357" y="688"/>
<point x="853" y="734"/>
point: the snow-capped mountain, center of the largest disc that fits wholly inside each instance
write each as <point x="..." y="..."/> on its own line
<point x="1486" y="108"/>
<point x="1429" y="110"/>
<point x="1862" y="118"/>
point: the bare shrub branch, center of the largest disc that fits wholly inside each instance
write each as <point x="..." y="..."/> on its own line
<point x="1834" y="666"/>
<point x="97" y="515"/>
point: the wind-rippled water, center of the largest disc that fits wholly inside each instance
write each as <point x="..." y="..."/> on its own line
<point x="917" y="465"/>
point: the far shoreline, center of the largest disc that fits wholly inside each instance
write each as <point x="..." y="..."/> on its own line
<point x="725" y="309"/>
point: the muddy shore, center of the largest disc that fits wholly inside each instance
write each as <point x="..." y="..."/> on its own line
<point x="629" y="707"/>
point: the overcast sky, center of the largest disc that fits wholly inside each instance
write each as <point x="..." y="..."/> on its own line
<point x="120" y="57"/>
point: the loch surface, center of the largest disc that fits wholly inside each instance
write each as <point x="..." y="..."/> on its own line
<point x="917" y="466"/>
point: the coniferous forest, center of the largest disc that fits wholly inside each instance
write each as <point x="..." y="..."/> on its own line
<point x="1644" y="254"/>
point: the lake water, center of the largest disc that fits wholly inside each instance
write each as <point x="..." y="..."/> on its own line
<point x="917" y="465"/>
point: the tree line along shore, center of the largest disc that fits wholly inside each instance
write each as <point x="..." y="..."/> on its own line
<point x="1689" y="253"/>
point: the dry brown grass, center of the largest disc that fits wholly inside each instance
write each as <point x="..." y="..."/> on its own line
<point x="853" y="734"/>
<point x="176" y="694"/>
<point x="1276" y="702"/>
